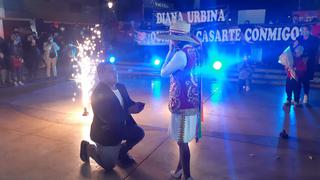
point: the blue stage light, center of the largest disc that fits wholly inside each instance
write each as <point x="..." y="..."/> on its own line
<point x="217" y="65"/>
<point x="112" y="59"/>
<point x="157" y="62"/>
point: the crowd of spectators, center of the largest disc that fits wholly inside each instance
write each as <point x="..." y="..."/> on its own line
<point x="26" y="56"/>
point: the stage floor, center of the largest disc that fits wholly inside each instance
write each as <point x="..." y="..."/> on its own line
<point x="41" y="132"/>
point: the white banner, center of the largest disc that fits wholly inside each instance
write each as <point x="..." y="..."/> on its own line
<point x="148" y="38"/>
<point x="229" y="35"/>
<point x="192" y="17"/>
<point x="257" y="34"/>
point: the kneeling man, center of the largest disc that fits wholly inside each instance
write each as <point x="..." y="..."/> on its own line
<point x="112" y="122"/>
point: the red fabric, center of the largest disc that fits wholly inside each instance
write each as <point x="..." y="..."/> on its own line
<point x="316" y="30"/>
<point x="16" y="62"/>
<point x="300" y="64"/>
<point x="289" y="74"/>
<point x="301" y="67"/>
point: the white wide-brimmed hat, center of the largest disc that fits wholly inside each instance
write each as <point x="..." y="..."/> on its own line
<point x="179" y="31"/>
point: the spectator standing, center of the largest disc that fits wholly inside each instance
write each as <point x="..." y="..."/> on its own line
<point x="245" y="74"/>
<point x="51" y="56"/>
<point x="33" y="59"/>
<point x="16" y="60"/>
<point x="310" y="45"/>
<point x="3" y="71"/>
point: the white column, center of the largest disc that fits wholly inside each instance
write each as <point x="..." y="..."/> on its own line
<point x="33" y="26"/>
<point x="1" y="18"/>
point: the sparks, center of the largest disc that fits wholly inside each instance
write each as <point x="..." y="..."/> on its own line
<point x="86" y="61"/>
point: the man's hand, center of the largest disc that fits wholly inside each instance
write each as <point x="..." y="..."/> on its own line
<point x="136" y="108"/>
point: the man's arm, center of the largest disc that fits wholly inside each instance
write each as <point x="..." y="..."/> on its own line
<point x="125" y="95"/>
<point x="133" y="107"/>
<point x="136" y="108"/>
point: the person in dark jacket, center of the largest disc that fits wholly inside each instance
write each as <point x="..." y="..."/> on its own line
<point x="112" y="122"/>
<point x="33" y="58"/>
<point x="296" y="77"/>
<point x="310" y="45"/>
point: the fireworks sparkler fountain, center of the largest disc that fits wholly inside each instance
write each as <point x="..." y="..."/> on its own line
<point x="84" y="64"/>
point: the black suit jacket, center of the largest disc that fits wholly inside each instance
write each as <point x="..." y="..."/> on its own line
<point x="110" y="118"/>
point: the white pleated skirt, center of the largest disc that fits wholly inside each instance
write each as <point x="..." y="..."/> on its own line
<point x="183" y="128"/>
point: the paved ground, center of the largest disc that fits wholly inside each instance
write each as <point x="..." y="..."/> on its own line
<point x="41" y="130"/>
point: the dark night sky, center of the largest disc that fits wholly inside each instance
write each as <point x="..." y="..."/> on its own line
<point x="133" y="9"/>
<point x="251" y="4"/>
